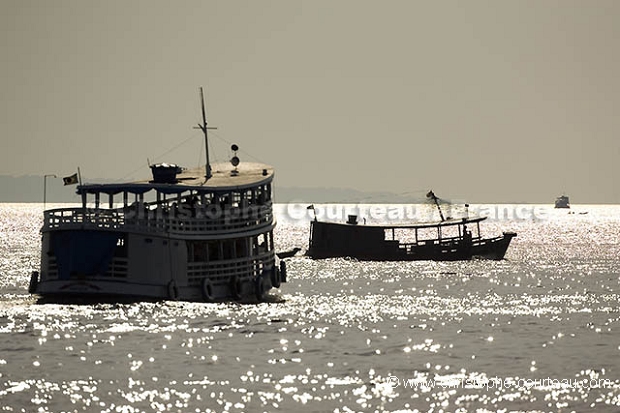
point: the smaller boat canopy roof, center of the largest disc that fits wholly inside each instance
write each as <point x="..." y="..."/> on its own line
<point x="447" y="222"/>
<point x="420" y="225"/>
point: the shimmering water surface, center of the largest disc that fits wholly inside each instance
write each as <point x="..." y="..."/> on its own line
<point x="538" y="331"/>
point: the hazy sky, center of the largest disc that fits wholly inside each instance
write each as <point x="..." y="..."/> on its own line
<point x="485" y="101"/>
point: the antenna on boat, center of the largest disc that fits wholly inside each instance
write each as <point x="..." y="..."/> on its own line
<point x="234" y="160"/>
<point x="432" y="196"/>
<point x="204" y="129"/>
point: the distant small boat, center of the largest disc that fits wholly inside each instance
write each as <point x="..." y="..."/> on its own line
<point x="562" y="202"/>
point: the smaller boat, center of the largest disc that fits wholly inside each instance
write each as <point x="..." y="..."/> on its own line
<point x="446" y="240"/>
<point x="562" y="202"/>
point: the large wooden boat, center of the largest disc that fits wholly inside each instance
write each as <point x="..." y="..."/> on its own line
<point x="445" y="240"/>
<point x="201" y="234"/>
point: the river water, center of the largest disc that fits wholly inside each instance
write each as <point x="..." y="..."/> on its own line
<point x="538" y="331"/>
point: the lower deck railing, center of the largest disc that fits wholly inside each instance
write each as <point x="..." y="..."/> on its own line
<point x="219" y="272"/>
<point x="117" y="269"/>
<point x="447" y="242"/>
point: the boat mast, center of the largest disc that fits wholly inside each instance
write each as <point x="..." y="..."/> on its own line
<point x="204" y="128"/>
<point x="432" y="196"/>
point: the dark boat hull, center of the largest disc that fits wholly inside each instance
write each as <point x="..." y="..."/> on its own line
<point x="493" y="248"/>
<point x="331" y="240"/>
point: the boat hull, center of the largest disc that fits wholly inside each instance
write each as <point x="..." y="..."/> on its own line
<point x="97" y="290"/>
<point x="99" y="265"/>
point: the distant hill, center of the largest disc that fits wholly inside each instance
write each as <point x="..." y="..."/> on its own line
<point x="29" y="188"/>
<point x="321" y="195"/>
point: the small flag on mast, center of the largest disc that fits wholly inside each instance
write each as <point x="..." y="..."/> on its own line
<point x="70" y="180"/>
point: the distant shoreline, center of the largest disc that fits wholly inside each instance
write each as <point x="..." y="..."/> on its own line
<point x="29" y="189"/>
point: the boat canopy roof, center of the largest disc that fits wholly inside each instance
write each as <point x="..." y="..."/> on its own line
<point x="224" y="178"/>
<point x="447" y="222"/>
<point x="435" y="224"/>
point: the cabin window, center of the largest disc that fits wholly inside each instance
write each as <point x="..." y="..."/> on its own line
<point x="261" y="244"/>
<point x="270" y="246"/>
<point x="241" y="247"/>
<point x="236" y="198"/>
<point x="426" y="234"/>
<point x="204" y="199"/>
<point x="229" y="249"/>
<point x="258" y="244"/>
<point x="244" y="199"/>
<point x="203" y="251"/>
<point x="213" y="250"/>
<point x="400" y="234"/>
<point x="268" y="192"/>
<point x="225" y="200"/>
<point x="214" y="199"/>
<point x="451" y="231"/>
<point x="196" y="251"/>
<point x="261" y="199"/>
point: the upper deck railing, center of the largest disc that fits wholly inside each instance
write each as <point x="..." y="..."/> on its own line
<point x="220" y="221"/>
